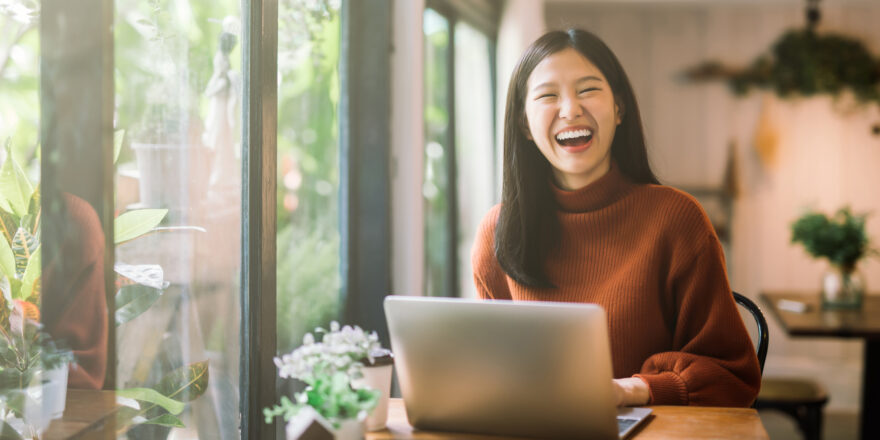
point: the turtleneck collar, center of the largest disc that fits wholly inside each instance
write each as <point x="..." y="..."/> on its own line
<point x="599" y="194"/>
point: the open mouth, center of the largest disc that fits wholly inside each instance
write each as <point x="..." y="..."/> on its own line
<point x="574" y="138"/>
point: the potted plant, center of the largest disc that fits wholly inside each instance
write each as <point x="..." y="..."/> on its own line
<point x="33" y="366"/>
<point x="841" y="239"/>
<point x="332" y="370"/>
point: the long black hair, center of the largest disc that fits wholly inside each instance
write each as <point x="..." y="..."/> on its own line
<point x="527" y="225"/>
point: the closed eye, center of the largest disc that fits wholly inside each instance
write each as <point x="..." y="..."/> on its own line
<point x="546" y="95"/>
<point x="590" y="89"/>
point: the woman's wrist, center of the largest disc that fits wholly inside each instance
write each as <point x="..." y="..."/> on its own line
<point x="632" y="391"/>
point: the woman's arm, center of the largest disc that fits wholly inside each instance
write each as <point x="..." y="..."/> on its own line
<point x="712" y="361"/>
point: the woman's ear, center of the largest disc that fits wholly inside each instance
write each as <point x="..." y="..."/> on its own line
<point x="524" y="126"/>
<point x="619" y="112"/>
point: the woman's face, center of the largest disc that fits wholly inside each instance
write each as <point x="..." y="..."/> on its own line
<point x="571" y="117"/>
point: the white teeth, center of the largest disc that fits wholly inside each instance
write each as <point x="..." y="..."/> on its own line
<point x="573" y="134"/>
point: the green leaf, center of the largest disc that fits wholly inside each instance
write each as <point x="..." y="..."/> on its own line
<point x="133" y="224"/>
<point x="23" y="247"/>
<point x="166" y="420"/>
<point x="8" y="225"/>
<point x="15" y="189"/>
<point x="186" y="383"/>
<point x="14" y="288"/>
<point x="118" y="137"/>
<point x="7" y="259"/>
<point x="30" y="221"/>
<point x="31" y="274"/>
<point x="152" y="396"/>
<point x="133" y="300"/>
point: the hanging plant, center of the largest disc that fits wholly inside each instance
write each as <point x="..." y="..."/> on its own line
<point x="803" y="62"/>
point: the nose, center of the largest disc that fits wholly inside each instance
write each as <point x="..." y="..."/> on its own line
<point x="570" y="107"/>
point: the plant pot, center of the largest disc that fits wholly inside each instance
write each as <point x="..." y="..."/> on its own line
<point x="170" y="176"/>
<point x="842" y="288"/>
<point x="43" y="401"/>
<point x="377" y="376"/>
<point x="350" y="429"/>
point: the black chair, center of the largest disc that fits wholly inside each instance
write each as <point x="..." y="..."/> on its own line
<point x="763" y="333"/>
<point x="802" y="399"/>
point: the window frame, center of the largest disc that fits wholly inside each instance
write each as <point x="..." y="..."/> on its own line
<point x="77" y="105"/>
<point x="484" y="16"/>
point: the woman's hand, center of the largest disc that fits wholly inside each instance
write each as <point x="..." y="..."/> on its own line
<point x="631" y="391"/>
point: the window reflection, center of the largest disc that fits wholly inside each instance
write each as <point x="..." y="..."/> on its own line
<point x="178" y="100"/>
<point x="308" y="273"/>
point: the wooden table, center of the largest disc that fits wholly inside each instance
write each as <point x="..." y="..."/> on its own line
<point x="666" y="422"/>
<point x="863" y="323"/>
<point x="87" y="414"/>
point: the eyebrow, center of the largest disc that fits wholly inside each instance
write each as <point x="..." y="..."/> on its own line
<point x="580" y="80"/>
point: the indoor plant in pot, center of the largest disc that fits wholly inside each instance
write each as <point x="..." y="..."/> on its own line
<point x="332" y="370"/>
<point x="841" y="239"/>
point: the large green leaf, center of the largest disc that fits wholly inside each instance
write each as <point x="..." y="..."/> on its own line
<point x="150" y="395"/>
<point x="5" y="299"/>
<point x="133" y="300"/>
<point x="7" y="259"/>
<point x="118" y="137"/>
<point x="23" y="247"/>
<point x="32" y="219"/>
<point x="8" y="225"/>
<point x="15" y="189"/>
<point x="31" y="274"/>
<point x="133" y="224"/>
<point x="165" y="420"/>
<point x="186" y="383"/>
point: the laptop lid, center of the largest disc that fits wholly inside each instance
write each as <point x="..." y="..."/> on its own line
<point x="537" y="369"/>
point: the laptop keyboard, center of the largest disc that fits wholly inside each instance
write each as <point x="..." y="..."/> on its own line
<point x="623" y="424"/>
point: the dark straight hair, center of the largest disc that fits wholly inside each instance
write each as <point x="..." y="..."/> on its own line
<point x="527" y="226"/>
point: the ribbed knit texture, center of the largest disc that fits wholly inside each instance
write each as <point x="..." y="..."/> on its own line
<point x="649" y="256"/>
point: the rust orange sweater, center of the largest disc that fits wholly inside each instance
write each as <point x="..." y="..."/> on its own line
<point x="649" y="256"/>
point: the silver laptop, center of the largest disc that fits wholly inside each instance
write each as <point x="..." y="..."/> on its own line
<point x="535" y="369"/>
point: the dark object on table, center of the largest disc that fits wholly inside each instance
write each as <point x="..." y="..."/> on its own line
<point x="850" y="324"/>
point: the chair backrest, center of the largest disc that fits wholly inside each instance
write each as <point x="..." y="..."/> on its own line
<point x="763" y="333"/>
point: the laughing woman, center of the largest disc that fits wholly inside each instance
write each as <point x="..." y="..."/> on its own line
<point x="584" y="219"/>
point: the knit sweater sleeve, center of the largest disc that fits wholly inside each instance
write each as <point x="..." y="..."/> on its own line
<point x="712" y="361"/>
<point x="489" y="279"/>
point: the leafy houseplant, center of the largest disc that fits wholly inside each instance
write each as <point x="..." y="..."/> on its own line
<point x="328" y="368"/>
<point x="26" y="350"/>
<point x="841" y="239"/>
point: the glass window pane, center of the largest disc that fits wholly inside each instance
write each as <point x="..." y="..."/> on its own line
<point x="308" y="236"/>
<point x="21" y="362"/>
<point x="308" y="271"/>
<point x="19" y="84"/>
<point x="178" y="100"/>
<point x="474" y="140"/>
<point x="435" y="185"/>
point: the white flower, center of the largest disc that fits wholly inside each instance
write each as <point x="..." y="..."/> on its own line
<point x="340" y="350"/>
